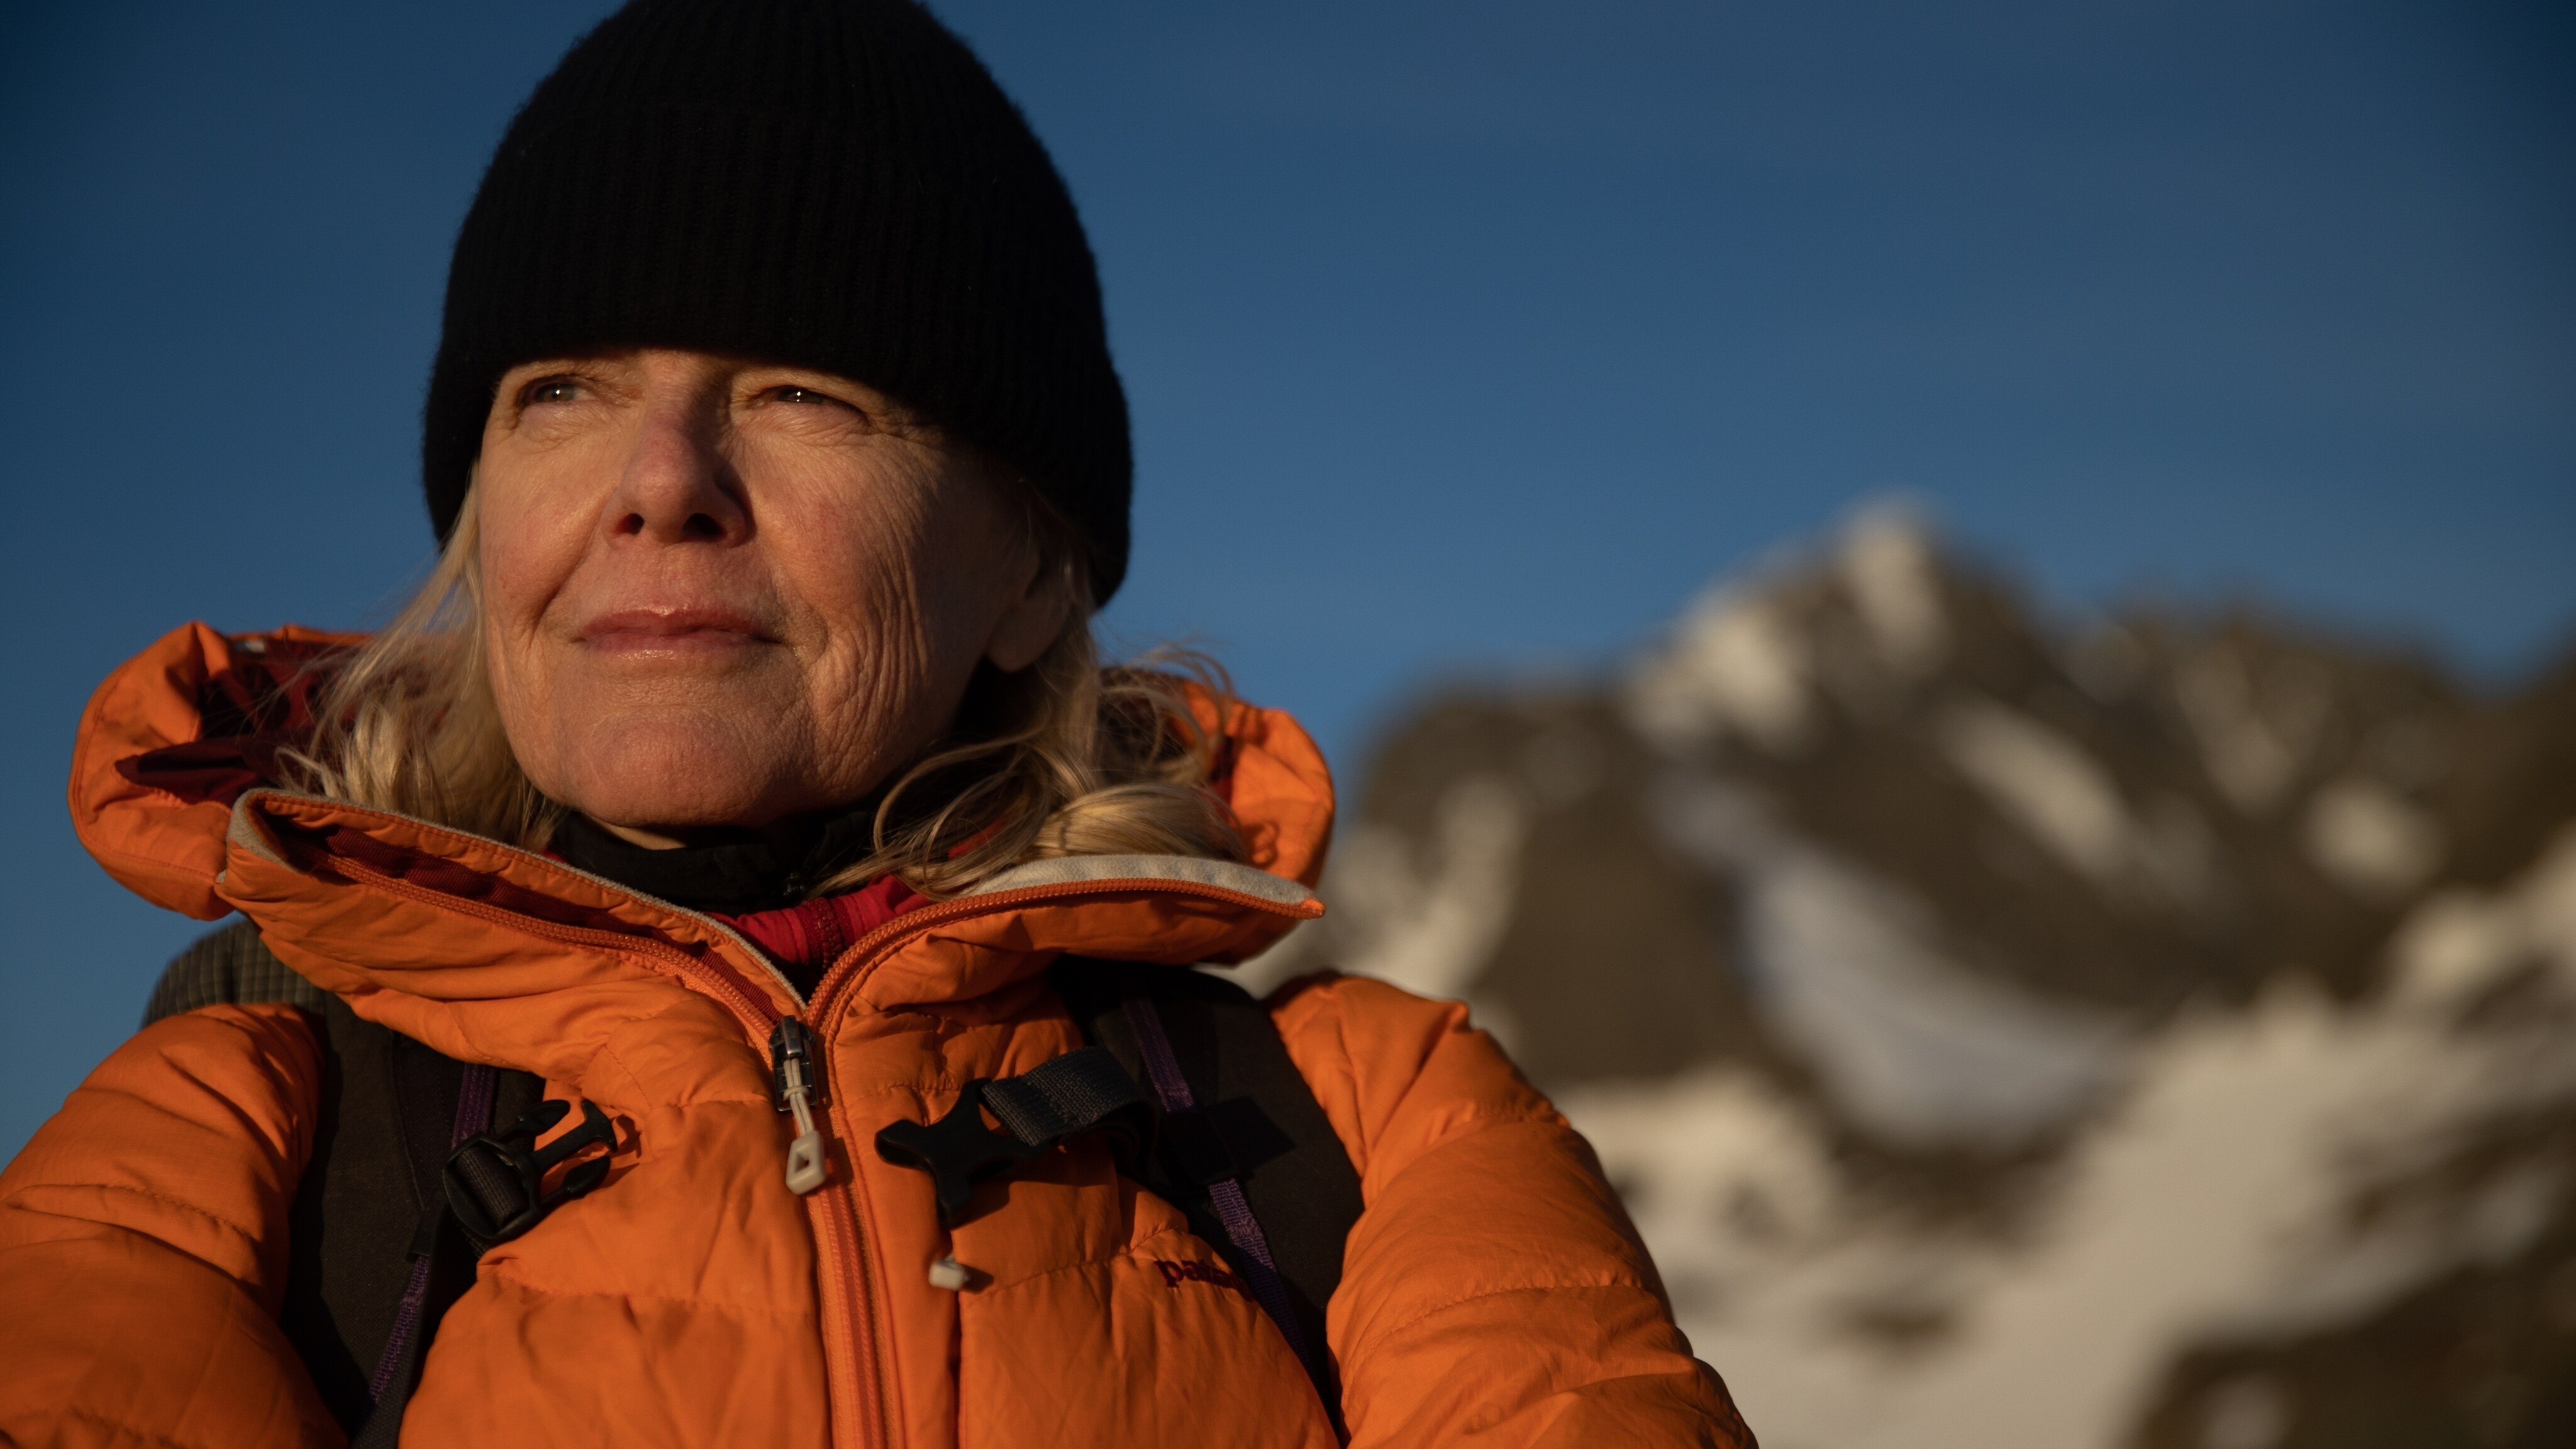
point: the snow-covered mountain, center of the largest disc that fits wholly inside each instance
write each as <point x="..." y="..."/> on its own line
<point x="2161" y="1032"/>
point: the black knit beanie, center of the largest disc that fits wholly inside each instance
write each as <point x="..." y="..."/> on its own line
<point x="834" y="184"/>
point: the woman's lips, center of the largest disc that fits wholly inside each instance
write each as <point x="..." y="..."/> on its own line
<point x="672" y="631"/>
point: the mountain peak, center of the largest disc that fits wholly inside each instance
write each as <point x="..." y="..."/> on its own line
<point x="1899" y="946"/>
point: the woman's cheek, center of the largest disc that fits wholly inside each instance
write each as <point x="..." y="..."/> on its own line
<point x="527" y="553"/>
<point x="513" y="598"/>
<point x="517" y="683"/>
<point x="851" y="560"/>
<point x="510" y="632"/>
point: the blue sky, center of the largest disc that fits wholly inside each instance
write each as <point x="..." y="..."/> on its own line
<point x="1460" y="337"/>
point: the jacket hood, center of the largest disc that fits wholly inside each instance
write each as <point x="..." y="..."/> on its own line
<point x="492" y="953"/>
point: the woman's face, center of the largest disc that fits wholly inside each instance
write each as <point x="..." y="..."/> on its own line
<point x="718" y="592"/>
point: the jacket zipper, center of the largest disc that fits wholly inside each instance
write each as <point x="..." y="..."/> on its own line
<point x="851" y="1338"/>
<point x="837" y="1214"/>
<point x="855" y="1372"/>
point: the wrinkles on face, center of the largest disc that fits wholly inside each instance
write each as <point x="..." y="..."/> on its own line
<point x="718" y="592"/>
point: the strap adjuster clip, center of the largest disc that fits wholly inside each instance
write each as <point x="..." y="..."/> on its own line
<point x="1085" y="1090"/>
<point x="958" y="1150"/>
<point x="496" y="1181"/>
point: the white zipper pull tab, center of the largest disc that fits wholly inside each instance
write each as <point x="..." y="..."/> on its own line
<point x="798" y="1088"/>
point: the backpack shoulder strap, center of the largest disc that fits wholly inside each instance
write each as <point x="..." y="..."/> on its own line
<point x="230" y="965"/>
<point x="1254" y="1125"/>
<point x="382" y="1133"/>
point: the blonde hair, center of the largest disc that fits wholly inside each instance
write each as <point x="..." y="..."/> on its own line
<point x="1062" y="758"/>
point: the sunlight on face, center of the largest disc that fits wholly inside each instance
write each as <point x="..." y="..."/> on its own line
<point x="718" y="592"/>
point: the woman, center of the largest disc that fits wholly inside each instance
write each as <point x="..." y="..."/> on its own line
<point x="741" y="773"/>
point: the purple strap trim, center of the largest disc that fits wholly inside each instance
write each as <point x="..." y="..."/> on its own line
<point x="406" y="1320"/>
<point x="1232" y="1208"/>
<point x="474" y="1104"/>
<point x="473" y="1116"/>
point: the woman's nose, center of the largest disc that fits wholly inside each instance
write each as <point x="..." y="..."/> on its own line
<point x="678" y="486"/>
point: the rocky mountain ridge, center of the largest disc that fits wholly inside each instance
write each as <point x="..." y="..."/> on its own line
<point x="2015" y="1034"/>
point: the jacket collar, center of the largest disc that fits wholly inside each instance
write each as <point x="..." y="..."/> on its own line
<point x="493" y="953"/>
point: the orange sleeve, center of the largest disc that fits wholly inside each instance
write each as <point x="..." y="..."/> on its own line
<point x="1493" y="1288"/>
<point x="143" y="1243"/>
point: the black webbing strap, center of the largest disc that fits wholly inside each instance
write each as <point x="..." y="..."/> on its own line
<point x="1250" y="1120"/>
<point x="1076" y="1092"/>
<point x="388" y="1120"/>
<point x="1229" y="1133"/>
<point x="385" y="1124"/>
<point x="442" y="1264"/>
<point x="1084" y="1090"/>
<point x="492" y="1191"/>
<point x="1202" y="1157"/>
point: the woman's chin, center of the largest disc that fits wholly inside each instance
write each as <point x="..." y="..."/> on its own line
<point x="677" y="779"/>
<point x="673" y="813"/>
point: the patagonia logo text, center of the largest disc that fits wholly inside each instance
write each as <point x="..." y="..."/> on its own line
<point x="1175" y="1274"/>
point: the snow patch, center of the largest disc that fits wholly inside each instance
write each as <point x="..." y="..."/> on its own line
<point x="2462" y="942"/>
<point x="1888" y="568"/>
<point x="1431" y="927"/>
<point x="2063" y="798"/>
<point x="2045" y="783"/>
<point x="1734" y="665"/>
<point x="2369" y="840"/>
<point x="1722" y="1167"/>
<point x="2214" y="1203"/>
<point x="2217" y="1199"/>
<point x="1915" y="1047"/>
<point x="2252" y="758"/>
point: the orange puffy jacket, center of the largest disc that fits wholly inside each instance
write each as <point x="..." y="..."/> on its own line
<point x="1493" y="1291"/>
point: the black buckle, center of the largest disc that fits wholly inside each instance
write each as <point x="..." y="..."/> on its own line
<point x="958" y="1150"/>
<point x="495" y="1181"/>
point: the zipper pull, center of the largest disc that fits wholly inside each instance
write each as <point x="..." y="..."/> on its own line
<point x="795" y="1086"/>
